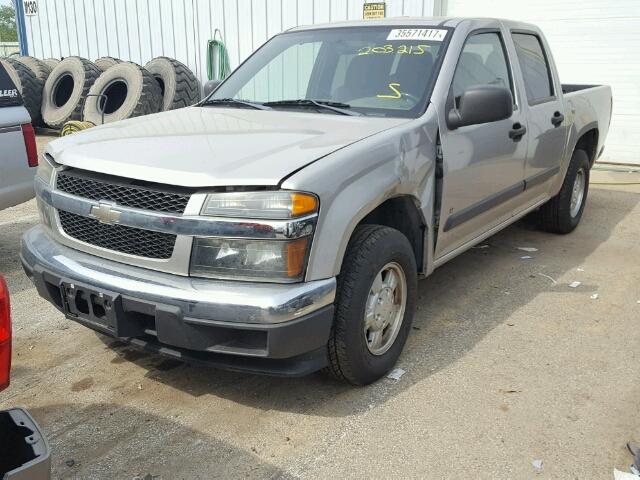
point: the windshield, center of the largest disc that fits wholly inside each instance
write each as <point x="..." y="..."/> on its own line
<point x="376" y="71"/>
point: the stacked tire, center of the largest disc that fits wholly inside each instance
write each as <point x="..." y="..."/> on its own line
<point x="76" y="89"/>
<point x="179" y="85"/>
<point x="66" y="90"/>
<point x="124" y="90"/>
<point x="104" y="63"/>
<point x="29" y="75"/>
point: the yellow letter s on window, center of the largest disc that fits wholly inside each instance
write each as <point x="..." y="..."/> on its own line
<point x="394" y="88"/>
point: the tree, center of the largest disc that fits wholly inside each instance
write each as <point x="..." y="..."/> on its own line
<point x="8" y="31"/>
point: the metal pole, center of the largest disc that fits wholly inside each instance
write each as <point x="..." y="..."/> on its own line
<point x="22" y="27"/>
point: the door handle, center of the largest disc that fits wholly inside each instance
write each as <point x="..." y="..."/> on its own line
<point x="517" y="131"/>
<point x="557" y="119"/>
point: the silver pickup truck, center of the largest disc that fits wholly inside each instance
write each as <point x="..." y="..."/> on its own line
<point x="281" y="225"/>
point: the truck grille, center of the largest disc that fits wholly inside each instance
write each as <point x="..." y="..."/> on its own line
<point x="158" y="198"/>
<point x="134" y="241"/>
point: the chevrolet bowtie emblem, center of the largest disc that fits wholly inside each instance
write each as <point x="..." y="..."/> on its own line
<point x="104" y="213"/>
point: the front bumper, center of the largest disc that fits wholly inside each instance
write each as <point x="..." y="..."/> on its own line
<point x="267" y="328"/>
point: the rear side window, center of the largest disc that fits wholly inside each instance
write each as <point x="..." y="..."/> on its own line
<point x="534" y="66"/>
<point x="482" y="62"/>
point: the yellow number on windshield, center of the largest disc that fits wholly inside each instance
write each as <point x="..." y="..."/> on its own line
<point x="396" y="93"/>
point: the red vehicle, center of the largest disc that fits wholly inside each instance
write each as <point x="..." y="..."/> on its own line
<point x="24" y="452"/>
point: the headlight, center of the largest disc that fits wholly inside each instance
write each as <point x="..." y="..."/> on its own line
<point x="285" y="218"/>
<point x="275" y="205"/>
<point x="45" y="169"/>
<point x="247" y="259"/>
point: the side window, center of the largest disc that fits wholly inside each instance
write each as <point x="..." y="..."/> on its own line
<point x="482" y="62"/>
<point x="534" y="66"/>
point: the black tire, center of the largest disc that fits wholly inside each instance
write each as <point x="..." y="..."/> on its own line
<point x="105" y="63"/>
<point x="179" y="86"/>
<point x="52" y="62"/>
<point x="66" y="90"/>
<point x="40" y="69"/>
<point x="556" y="216"/>
<point x="29" y="86"/>
<point x="370" y="249"/>
<point x="131" y="91"/>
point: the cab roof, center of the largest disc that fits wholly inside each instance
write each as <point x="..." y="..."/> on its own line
<point x="414" y="21"/>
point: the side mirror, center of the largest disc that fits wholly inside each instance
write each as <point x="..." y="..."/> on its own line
<point x="210" y="86"/>
<point x="481" y="104"/>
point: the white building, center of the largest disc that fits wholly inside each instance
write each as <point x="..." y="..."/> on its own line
<point x="593" y="41"/>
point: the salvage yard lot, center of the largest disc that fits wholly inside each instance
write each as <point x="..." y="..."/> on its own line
<point x="506" y="365"/>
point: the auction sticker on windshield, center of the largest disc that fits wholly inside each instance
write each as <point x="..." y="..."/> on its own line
<point x="433" y="34"/>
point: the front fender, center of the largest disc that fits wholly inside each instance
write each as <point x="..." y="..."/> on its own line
<point x="353" y="181"/>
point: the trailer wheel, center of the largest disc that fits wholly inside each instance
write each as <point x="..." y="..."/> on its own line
<point x="129" y="91"/>
<point x="66" y="89"/>
<point x="104" y="63"/>
<point x="563" y="212"/>
<point x="375" y="302"/>
<point x="177" y="82"/>
<point x="28" y="84"/>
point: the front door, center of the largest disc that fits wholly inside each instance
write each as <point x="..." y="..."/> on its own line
<point x="483" y="165"/>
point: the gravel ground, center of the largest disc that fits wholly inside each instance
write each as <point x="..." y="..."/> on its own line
<point x="506" y="365"/>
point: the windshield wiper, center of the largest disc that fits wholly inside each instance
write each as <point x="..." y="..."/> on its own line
<point x="233" y="101"/>
<point x="337" y="107"/>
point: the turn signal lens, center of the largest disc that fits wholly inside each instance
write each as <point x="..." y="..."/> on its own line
<point x="274" y="205"/>
<point x="296" y="256"/>
<point x="303" y="204"/>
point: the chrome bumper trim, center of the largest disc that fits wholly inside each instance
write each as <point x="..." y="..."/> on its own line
<point x="176" y="224"/>
<point x="224" y="301"/>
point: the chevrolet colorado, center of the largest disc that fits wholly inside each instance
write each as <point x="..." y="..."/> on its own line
<point x="280" y="226"/>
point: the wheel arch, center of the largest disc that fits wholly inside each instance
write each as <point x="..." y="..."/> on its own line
<point x="403" y="214"/>
<point x="588" y="141"/>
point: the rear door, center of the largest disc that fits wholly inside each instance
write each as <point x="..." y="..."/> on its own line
<point x="484" y="166"/>
<point x="546" y="115"/>
<point x="16" y="178"/>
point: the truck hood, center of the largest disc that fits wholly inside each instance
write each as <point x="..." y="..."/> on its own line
<point x="213" y="146"/>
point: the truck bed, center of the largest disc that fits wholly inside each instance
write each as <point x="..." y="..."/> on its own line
<point x="590" y="106"/>
<point x="575" y="87"/>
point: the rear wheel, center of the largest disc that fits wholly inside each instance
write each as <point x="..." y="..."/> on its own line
<point x="563" y="212"/>
<point x="374" y="305"/>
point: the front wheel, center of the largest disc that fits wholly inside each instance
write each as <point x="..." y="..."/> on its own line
<point x="375" y="302"/>
<point x="563" y="212"/>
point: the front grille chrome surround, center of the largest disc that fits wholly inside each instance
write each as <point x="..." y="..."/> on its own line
<point x="119" y="238"/>
<point x="121" y="191"/>
<point x="82" y="187"/>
